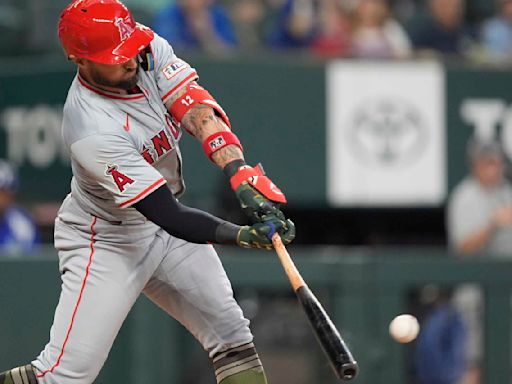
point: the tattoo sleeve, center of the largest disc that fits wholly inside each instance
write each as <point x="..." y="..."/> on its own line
<point x="201" y="121"/>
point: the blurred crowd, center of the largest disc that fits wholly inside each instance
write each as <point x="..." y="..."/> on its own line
<point x="475" y="30"/>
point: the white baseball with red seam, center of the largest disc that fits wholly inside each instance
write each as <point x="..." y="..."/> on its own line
<point x="404" y="328"/>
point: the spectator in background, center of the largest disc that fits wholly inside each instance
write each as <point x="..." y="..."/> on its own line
<point x="479" y="223"/>
<point x="247" y="17"/>
<point x="200" y="25"/>
<point x="18" y="232"/>
<point x="295" y="25"/>
<point x="332" y="36"/>
<point x="253" y="19"/>
<point x="376" y="35"/>
<point x="440" y="347"/>
<point x="480" y="208"/>
<point x="442" y="30"/>
<point x="496" y="34"/>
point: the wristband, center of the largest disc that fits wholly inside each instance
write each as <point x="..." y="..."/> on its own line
<point x="219" y="140"/>
<point x="232" y="167"/>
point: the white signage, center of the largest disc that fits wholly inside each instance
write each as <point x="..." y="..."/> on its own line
<point x="34" y="135"/>
<point x="486" y="116"/>
<point x="386" y="134"/>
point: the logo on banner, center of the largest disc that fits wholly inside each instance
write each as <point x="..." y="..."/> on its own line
<point x="387" y="132"/>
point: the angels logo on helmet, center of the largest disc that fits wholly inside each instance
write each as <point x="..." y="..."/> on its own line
<point x="125" y="26"/>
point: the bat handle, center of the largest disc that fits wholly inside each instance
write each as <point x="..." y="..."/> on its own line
<point x="289" y="267"/>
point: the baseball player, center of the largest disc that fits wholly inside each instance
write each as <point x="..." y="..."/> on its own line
<point x="121" y="231"/>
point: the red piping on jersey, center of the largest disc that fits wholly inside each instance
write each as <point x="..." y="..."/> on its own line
<point x="126" y="125"/>
<point x="111" y="96"/>
<point x="145" y="192"/>
<point x="91" y="245"/>
<point x="190" y="77"/>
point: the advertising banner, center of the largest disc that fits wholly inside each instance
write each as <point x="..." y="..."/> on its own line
<point x="479" y="104"/>
<point x="386" y="134"/>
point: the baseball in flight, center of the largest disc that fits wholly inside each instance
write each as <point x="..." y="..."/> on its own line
<point x="404" y="328"/>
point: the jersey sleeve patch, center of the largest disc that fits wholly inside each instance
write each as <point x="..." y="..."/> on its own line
<point x="174" y="69"/>
<point x="120" y="179"/>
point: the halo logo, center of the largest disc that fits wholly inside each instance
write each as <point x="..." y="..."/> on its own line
<point x="387" y="132"/>
<point x="125" y="27"/>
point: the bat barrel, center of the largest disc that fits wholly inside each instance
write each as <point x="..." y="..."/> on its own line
<point x="340" y="357"/>
<point x="348" y="371"/>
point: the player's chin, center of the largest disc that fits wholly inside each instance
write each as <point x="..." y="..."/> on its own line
<point x="129" y="83"/>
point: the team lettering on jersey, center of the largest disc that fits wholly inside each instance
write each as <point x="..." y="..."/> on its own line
<point x="119" y="178"/>
<point x="161" y="143"/>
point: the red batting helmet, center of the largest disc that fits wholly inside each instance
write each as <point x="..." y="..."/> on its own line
<point x="102" y="31"/>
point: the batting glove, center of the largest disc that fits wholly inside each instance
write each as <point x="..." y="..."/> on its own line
<point x="259" y="235"/>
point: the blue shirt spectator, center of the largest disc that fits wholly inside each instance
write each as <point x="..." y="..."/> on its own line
<point x="441" y="344"/>
<point x="18" y="233"/>
<point x="295" y="26"/>
<point x="496" y="34"/>
<point x="196" y="24"/>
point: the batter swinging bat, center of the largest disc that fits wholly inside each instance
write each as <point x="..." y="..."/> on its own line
<point x="328" y="336"/>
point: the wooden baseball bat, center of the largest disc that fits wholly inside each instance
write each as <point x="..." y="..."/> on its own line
<point x="340" y="357"/>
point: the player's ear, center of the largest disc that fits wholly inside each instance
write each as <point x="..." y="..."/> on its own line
<point x="77" y="60"/>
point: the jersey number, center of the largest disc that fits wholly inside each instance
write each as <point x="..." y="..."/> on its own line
<point x="187" y="101"/>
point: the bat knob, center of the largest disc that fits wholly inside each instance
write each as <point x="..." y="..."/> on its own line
<point x="348" y="371"/>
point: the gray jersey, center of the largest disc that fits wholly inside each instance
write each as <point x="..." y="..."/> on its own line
<point x="123" y="147"/>
<point x="470" y="209"/>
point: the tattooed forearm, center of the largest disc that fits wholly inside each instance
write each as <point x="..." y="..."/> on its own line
<point x="201" y="121"/>
<point x="227" y="154"/>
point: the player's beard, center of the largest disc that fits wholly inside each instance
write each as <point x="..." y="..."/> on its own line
<point x="125" y="84"/>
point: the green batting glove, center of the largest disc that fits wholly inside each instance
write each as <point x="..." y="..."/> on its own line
<point x="255" y="205"/>
<point x="259" y="235"/>
<point x="287" y="233"/>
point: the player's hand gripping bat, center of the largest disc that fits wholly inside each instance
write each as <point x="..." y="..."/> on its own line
<point x="327" y="335"/>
